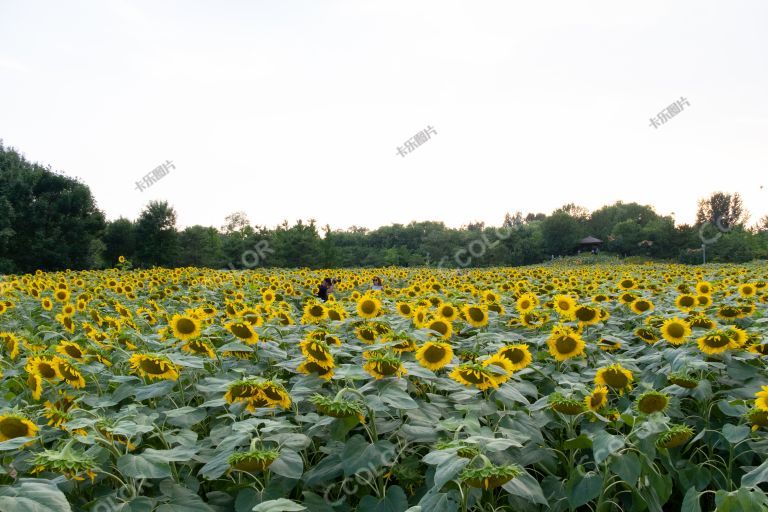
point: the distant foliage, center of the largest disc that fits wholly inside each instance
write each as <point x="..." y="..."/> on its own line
<point x="51" y="222"/>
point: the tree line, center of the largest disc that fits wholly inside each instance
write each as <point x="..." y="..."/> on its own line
<point x="51" y="222"/>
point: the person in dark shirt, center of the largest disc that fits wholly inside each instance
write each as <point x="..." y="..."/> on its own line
<point x="325" y="287"/>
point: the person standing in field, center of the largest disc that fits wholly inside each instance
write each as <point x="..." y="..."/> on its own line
<point x="377" y="285"/>
<point x="324" y="289"/>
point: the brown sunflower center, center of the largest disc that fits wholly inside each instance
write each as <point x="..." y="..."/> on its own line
<point x="565" y="344"/>
<point x="13" y="427"/>
<point x="185" y="326"/>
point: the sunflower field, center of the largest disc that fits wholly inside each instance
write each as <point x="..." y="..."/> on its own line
<point x="560" y="387"/>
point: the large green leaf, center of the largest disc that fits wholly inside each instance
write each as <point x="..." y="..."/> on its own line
<point x="33" y="495"/>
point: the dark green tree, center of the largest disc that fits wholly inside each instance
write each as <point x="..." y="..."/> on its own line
<point x="156" y="236"/>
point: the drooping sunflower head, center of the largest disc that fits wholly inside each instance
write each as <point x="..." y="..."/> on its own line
<point x="312" y="367"/>
<point x="474" y="375"/>
<point x="70" y="462"/>
<point x="534" y="319"/>
<point x="275" y="393"/>
<point x="154" y="367"/>
<point x="761" y="399"/>
<point x="185" y="327"/>
<point x="70" y="374"/>
<point x="45" y="367"/>
<point x="675" y="436"/>
<point x="758" y="418"/>
<point x="647" y="334"/>
<point x="489" y="476"/>
<point x="338" y="407"/>
<point x="70" y="349"/>
<point x="683" y="380"/>
<point x="316" y="350"/>
<point x="199" y="348"/>
<point x="565" y="405"/>
<point x="253" y="461"/>
<point x="615" y="377"/>
<point x="434" y="355"/>
<point x="243" y="331"/>
<point x="11" y="343"/>
<point x="652" y="401"/>
<point x="380" y="366"/>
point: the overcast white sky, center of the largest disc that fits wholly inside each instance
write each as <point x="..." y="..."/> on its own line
<point x="295" y="109"/>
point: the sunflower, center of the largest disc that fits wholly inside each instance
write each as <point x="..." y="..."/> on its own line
<point x="70" y="374"/>
<point x="597" y="399"/>
<point x="565" y="344"/>
<point x="35" y="385"/>
<point x="476" y="315"/>
<point x="154" y="366"/>
<point x="534" y="319"/>
<point x="565" y="405"/>
<point x="501" y="367"/>
<point x="380" y="366"/>
<point x="44" y="366"/>
<point x="715" y="341"/>
<point x="336" y="313"/>
<point x="761" y="399"/>
<point x="675" y="330"/>
<point x="243" y="331"/>
<point x="61" y="295"/>
<point x="448" y="311"/>
<point x="275" y="393"/>
<point x="647" y="335"/>
<point x="199" y="348"/>
<point x="317" y="351"/>
<point x="615" y="377"/>
<point x="185" y="327"/>
<point x="609" y="344"/>
<point x="685" y="302"/>
<point x="526" y="302"/>
<point x="73" y="350"/>
<point x="366" y="333"/>
<point x="518" y="355"/>
<point x="652" y="401"/>
<point x="675" y="436"/>
<point x="586" y="315"/>
<point x="747" y="290"/>
<point x="565" y="306"/>
<point x="323" y="372"/>
<point x="738" y="336"/>
<point x="683" y="380"/>
<point x="338" y="407"/>
<point x="368" y="307"/>
<point x="58" y="412"/>
<point x="627" y="284"/>
<point x="246" y="391"/>
<point x="11" y="343"/>
<point x="314" y="312"/>
<point x="489" y="476"/>
<point x="473" y="374"/>
<point x="13" y="425"/>
<point x="641" y="306"/>
<point x="703" y="301"/>
<point x="404" y="309"/>
<point x="441" y="326"/>
<point x="434" y="355"/>
<point x="253" y="461"/>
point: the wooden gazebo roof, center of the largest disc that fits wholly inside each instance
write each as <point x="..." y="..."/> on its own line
<point x="590" y="240"/>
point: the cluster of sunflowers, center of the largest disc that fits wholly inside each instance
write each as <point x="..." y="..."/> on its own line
<point x="615" y="344"/>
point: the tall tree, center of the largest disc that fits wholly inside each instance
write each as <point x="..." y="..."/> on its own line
<point x="156" y="235"/>
<point x="722" y="210"/>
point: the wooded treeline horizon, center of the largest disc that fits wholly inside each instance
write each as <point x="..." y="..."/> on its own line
<point x="49" y="222"/>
